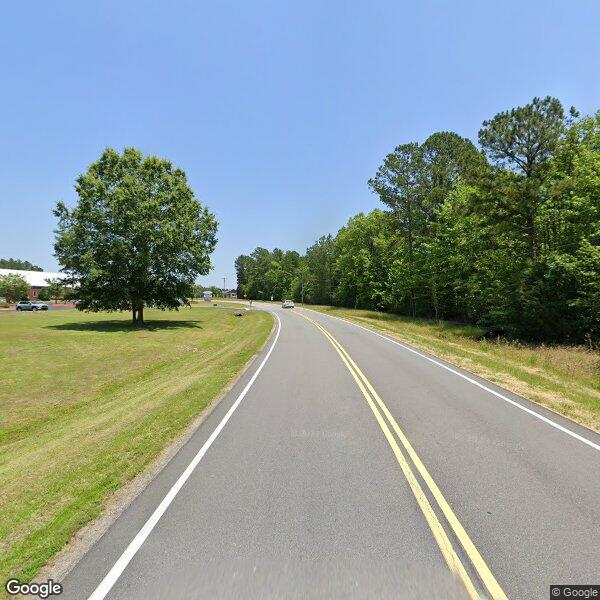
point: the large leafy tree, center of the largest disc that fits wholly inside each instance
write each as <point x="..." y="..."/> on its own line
<point x="448" y="159"/>
<point x="320" y="262"/>
<point x="55" y="290"/>
<point x="364" y="253"/>
<point x="414" y="182"/>
<point x="13" y="287"/>
<point x="520" y="143"/>
<point x="137" y="236"/>
<point x="259" y="285"/>
<point x="243" y="265"/>
<point x="398" y="183"/>
<point x="571" y="232"/>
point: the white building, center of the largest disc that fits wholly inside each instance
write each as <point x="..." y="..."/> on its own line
<point x="35" y="279"/>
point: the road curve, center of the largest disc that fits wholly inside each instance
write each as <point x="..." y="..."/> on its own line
<point x="293" y="488"/>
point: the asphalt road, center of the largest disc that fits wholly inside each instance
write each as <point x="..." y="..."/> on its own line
<point x="309" y="489"/>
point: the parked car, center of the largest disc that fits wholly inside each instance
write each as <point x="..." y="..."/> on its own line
<point x="288" y="304"/>
<point x="28" y="305"/>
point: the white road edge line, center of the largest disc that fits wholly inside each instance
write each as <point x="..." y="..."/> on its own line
<point x="470" y="380"/>
<point x="113" y="575"/>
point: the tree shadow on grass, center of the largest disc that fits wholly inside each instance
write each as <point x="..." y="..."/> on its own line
<point x="126" y="326"/>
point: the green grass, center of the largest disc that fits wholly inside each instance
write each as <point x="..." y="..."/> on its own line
<point x="565" y="379"/>
<point x="87" y="403"/>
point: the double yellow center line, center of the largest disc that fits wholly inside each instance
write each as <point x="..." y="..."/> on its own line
<point x="450" y="556"/>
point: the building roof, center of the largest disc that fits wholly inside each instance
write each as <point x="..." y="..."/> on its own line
<point x="34" y="278"/>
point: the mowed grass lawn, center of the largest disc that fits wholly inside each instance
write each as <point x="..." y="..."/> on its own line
<point x="87" y="402"/>
<point x="565" y="379"/>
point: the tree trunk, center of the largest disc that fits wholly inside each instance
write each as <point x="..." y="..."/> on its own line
<point x="532" y="234"/>
<point x="138" y="315"/>
<point x="434" y="297"/>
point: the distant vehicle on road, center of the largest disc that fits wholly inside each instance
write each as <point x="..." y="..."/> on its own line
<point x="288" y="304"/>
<point x="207" y="296"/>
<point x="28" y="305"/>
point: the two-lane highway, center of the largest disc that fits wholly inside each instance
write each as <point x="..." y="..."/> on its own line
<point x="343" y="464"/>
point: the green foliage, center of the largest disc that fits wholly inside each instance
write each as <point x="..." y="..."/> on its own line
<point x="266" y="274"/>
<point x="364" y="260"/>
<point x="13" y="287"/>
<point x="521" y="143"/>
<point x="137" y="237"/>
<point x="242" y="269"/>
<point x="506" y="237"/>
<point x="319" y="271"/>
<point x="44" y="294"/>
<point x="524" y="138"/>
<point x="55" y="290"/>
<point x="21" y="265"/>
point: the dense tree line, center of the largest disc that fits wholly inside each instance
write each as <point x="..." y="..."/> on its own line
<point x="21" y="265"/>
<point x="506" y="234"/>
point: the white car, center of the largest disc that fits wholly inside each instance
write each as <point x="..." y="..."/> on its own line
<point x="288" y="304"/>
<point x="33" y="306"/>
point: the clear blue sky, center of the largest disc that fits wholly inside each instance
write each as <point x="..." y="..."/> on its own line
<point x="278" y="111"/>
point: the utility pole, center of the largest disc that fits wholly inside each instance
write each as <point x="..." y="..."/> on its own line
<point x="224" y="287"/>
